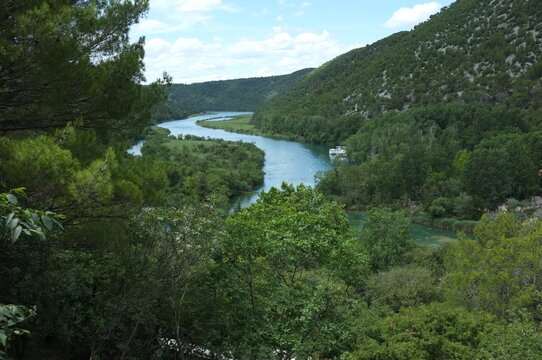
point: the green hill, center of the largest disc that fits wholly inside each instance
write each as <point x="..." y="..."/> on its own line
<point x="239" y="94"/>
<point x="478" y="52"/>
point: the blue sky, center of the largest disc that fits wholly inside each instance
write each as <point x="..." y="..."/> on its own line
<point x="202" y="40"/>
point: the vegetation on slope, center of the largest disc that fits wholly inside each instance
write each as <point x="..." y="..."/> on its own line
<point x="239" y="94"/>
<point x="480" y="52"/>
<point x="168" y="111"/>
<point x="241" y="124"/>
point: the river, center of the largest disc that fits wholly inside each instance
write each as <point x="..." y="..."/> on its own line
<point x="289" y="161"/>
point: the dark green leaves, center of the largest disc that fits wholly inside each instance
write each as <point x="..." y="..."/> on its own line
<point x="11" y="316"/>
<point x="16" y="220"/>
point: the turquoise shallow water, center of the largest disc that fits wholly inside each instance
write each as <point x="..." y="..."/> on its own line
<point x="423" y="235"/>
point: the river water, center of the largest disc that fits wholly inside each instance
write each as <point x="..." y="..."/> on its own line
<point x="293" y="162"/>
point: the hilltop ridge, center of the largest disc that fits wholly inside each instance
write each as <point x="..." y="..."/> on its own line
<point x="481" y="52"/>
<point x="245" y="94"/>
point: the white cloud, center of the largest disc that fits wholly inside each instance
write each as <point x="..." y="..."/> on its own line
<point x="193" y="60"/>
<point x="285" y="3"/>
<point x="179" y="15"/>
<point x="288" y="62"/>
<point x="191" y="6"/>
<point x="306" y="4"/>
<point x="412" y="16"/>
<point x="299" y="14"/>
<point x="151" y="26"/>
<point x="280" y="18"/>
<point x="202" y="6"/>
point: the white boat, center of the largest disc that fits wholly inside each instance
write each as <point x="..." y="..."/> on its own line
<point x="339" y="151"/>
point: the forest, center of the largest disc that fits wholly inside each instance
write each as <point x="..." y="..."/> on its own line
<point x="107" y="255"/>
<point x="237" y="94"/>
<point x="455" y="159"/>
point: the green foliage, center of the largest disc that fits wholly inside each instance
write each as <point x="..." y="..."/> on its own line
<point x="430" y="332"/>
<point x="67" y="60"/>
<point x="386" y="236"/>
<point x="402" y="287"/>
<point x="460" y="162"/>
<point x="498" y="271"/>
<point x="168" y="111"/>
<point x="414" y="108"/>
<point x="10" y="317"/>
<point x="239" y="124"/>
<point x="116" y="288"/>
<point x="16" y="220"/>
<point x="289" y="259"/>
<point x="199" y="169"/>
<point x="43" y="167"/>
<point x="239" y="94"/>
<point x="521" y="339"/>
<point x="456" y="159"/>
<point x="146" y="269"/>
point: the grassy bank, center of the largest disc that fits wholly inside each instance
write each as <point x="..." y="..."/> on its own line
<point x="239" y="124"/>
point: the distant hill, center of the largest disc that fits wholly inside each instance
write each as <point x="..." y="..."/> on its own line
<point x="169" y="111"/>
<point x="239" y="94"/>
<point x="474" y="51"/>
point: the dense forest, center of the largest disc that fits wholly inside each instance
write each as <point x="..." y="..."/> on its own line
<point x="168" y="110"/>
<point x="238" y="94"/>
<point x="455" y="159"/>
<point x="107" y="255"/>
<point x="447" y="114"/>
<point x="200" y="169"/>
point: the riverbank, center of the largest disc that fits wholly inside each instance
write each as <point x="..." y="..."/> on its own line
<point x="241" y="125"/>
<point x="421" y="218"/>
<point x="451" y="224"/>
<point x="423" y="234"/>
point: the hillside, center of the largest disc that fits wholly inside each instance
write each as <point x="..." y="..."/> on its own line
<point x="168" y="111"/>
<point x="480" y="52"/>
<point x="239" y="94"/>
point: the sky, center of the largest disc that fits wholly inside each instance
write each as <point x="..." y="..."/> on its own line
<point x="203" y="40"/>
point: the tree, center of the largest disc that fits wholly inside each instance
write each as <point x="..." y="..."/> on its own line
<point x="428" y="332"/>
<point x="500" y="270"/>
<point x="16" y="220"/>
<point x="63" y="60"/>
<point x="289" y="259"/>
<point x="10" y="318"/>
<point x="386" y="236"/>
<point x="519" y="339"/>
<point x="402" y="287"/>
<point x="460" y="162"/>
<point x="486" y="176"/>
